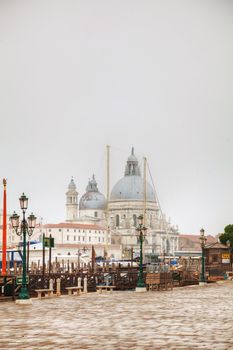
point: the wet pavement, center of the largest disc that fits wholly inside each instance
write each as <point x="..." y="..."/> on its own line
<point x="185" y="318"/>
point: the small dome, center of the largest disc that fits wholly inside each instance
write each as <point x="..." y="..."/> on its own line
<point x="92" y="199"/>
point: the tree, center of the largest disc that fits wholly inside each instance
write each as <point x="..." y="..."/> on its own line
<point x="227" y="235"/>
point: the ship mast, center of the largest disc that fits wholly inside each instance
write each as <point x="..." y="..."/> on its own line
<point x="107" y="197"/>
<point x="144" y="190"/>
<point x="144" y="202"/>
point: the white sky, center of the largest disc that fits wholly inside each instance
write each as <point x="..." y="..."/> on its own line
<point x="156" y="75"/>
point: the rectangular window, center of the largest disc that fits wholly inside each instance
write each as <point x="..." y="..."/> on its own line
<point x="74" y="238"/>
<point x="83" y="239"/>
<point x="99" y="239"/>
<point x="74" y="230"/>
<point x="79" y="238"/>
<point x="89" y="239"/>
<point x="67" y="237"/>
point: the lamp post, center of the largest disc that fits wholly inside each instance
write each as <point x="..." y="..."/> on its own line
<point x="203" y="240"/>
<point x="26" y="227"/>
<point x="142" y="231"/>
<point x="228" y="243"/>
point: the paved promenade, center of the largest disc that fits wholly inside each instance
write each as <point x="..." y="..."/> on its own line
<point x="185" y="318"/>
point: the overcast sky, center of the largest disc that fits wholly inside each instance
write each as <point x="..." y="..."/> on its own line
<point x="157" y="75"/>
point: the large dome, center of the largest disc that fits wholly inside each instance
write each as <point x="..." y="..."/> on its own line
<point x="92" y="199"/>
<point x="131" y="186"/>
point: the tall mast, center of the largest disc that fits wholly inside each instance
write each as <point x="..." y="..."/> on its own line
<point x="144" y="203"/>
<point x="107" y="197"/>
<point x="108" y="174"/>
<point x="144" y="189"/>
<point x="4" y="230"/>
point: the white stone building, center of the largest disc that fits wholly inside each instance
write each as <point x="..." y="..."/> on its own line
<point x="127" y="202"/>
<point x="72" y="237"/>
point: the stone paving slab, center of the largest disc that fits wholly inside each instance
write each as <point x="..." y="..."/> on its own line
<point x="186" y="318"/>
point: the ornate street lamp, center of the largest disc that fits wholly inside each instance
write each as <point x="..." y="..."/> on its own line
<point x="228" y="243"/>
<point x="203" y="240"/>
<point x="141" y="229"/>
<point x="26" y="227"/>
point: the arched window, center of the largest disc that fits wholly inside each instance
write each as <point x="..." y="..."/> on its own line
<point x="117" y="220"/>
<point x="134" y="220"/>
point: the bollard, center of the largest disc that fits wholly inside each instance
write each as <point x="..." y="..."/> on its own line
<point x="51" y="285"/>
<point x="85" y="285"/>
<point x="15" y="268"/>
<point x="79" y="281"/>
<point x="58" y="287"/>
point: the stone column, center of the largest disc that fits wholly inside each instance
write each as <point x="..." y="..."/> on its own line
<point x="51" y="284"/>
<point x="85" y="285"/>
<point x="173" y="245"/>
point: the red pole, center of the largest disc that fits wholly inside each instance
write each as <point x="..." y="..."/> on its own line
<point x="4" y="230"/>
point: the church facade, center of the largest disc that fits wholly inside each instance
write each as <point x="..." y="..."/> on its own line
<point x="128" y="200"/>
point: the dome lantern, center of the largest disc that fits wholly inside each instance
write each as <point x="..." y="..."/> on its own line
<point x="132" y="167"/>
<point x="131" y="186"/>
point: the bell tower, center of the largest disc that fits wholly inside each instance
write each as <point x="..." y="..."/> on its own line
<point x="71" y="202"/>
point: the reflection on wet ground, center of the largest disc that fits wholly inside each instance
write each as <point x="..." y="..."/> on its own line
<point x="185" y="318"/>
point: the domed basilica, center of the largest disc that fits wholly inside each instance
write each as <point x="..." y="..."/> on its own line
<point x="130" y="197"/>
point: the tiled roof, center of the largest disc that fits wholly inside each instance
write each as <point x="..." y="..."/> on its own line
<point x="217" y="245"/>
<point x="192" y="242"/>
<point x="74" y="225"/>
<point x="195" y="238"/>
